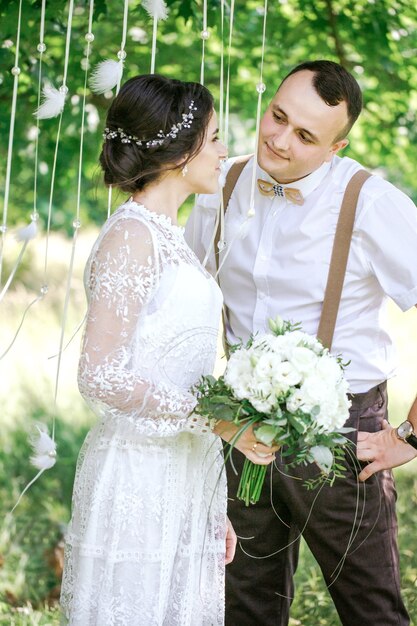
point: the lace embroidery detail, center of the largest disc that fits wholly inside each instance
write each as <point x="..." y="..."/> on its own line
<point x="145" y="545"/>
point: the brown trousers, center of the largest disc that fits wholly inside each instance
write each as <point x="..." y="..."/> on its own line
<point x="351" y="529"/>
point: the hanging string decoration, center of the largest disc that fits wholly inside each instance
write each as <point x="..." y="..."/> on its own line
<point x="51" y="101"/>
<point x="108" y="74"/>
<point x="25" y="234"/>
<point x="15" y="72"/>
<point x="205" y="34"/>
<point x="44" y="445"/>
<point x="54" y="99"/>
<point x="242" y="231"/>
<point x="157" y="10"/>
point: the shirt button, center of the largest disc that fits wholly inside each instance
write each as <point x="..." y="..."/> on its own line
<point x="261" y="295"/>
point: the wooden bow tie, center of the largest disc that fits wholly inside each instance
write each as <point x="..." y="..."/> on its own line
<point x="269" y="189"/>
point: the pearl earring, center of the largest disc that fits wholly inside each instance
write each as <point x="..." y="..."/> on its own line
<point x="184" y="170"/>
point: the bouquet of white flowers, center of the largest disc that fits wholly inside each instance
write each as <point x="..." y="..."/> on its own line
<point x="293" y="392"/>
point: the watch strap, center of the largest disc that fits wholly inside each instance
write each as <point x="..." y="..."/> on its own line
<point x="412" y="440"/>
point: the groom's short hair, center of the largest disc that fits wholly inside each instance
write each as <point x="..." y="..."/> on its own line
<point x="334" y="84"/>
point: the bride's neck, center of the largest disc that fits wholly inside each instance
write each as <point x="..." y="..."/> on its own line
<point x="165" y="196"/>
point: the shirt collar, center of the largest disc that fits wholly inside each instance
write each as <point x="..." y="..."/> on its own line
<point x="307" y="184"/>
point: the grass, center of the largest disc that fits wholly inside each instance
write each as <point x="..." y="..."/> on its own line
<point x="31" y="540"/>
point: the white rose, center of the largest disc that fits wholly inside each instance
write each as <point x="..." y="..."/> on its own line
<point x="303" y="359"/>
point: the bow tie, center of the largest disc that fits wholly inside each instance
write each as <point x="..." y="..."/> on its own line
<point x="269" y="189"/>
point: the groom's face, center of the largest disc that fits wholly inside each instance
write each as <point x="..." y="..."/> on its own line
<point x="298" y="130"/>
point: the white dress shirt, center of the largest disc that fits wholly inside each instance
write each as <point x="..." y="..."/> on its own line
<point x="281" y="265"/>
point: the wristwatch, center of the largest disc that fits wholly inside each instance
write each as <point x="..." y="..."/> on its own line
<point x="405" y="431"/>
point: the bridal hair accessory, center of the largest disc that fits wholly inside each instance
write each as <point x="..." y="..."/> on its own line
<point x="187" y="120"/>
<point x="184" y="170"/>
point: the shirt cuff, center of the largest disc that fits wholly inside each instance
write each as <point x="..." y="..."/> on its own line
<point x="407" y="300"/>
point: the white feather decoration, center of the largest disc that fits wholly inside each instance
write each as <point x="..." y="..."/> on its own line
<point x="44" y="448"/>
<point x="156" y="9"/>
<point x="44" y="458"/>
<point x="53" y="103"/>
<point x="27" y="232"/>
<point x="106" y="75"/>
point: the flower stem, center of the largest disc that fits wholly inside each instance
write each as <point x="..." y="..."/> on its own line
<point x="251" y="482"/>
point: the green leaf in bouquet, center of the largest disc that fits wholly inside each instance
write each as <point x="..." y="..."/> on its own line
<point x="249" y="409"/>
<point x="277" y="411"/>
<point x="345" y="429"/>
<point x="278" y="423"/>
<point x="223" y="412"/>
<point x="339" y="440"/>
<point x="222" y="400"/>
<point x="297" y="423"/>
<point x="266" y="434"/>
<point x="323" y="456"/>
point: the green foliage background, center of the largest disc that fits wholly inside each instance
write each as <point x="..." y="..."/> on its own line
<point x="375" y="39"/>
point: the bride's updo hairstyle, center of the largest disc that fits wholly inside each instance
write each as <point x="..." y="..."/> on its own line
<point x="139" y="142"/>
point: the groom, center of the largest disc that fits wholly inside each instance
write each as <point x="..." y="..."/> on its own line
<point x="281" y="267"/>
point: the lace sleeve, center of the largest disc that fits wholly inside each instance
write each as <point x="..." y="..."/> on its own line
<point x="123" y="278"/>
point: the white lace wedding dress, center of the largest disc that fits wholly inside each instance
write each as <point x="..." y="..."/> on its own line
<point x="146" y="542"/>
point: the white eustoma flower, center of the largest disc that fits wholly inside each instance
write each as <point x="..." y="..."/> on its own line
<point x="238" y="374"/>
<point x="285" y="376"/>
<point x="295" y="401"/>
<point x="328" y="369"/>
<point x="266" y="363"/>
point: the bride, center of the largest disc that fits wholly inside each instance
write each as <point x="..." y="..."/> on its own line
<point x="149" y="538"/>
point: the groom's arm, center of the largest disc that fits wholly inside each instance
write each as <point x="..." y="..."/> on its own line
<point x="383" y="449"/>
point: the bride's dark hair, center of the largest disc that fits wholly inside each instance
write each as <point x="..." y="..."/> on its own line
<point x="144" y="106"/>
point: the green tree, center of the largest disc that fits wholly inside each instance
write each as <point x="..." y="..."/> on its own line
<point x="376" y="40"/>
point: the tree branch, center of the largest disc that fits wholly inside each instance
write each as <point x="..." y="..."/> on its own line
<point x="335" y="34"/>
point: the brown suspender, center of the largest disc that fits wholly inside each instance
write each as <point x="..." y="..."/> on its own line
<point x="338" y="261"/>
<point x="340" y="251"/>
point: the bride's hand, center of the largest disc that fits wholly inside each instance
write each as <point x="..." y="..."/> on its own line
<point x="255" y="451"/>
<point x="231" y="541"/>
